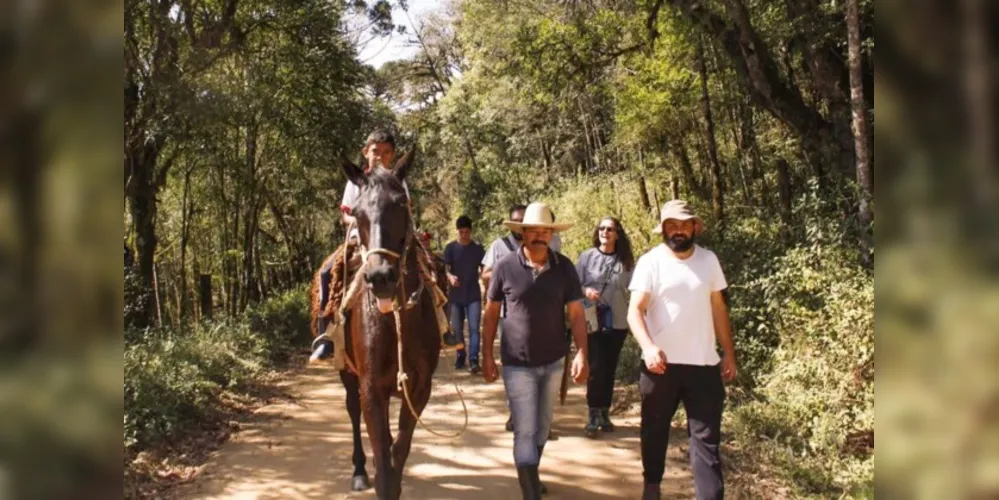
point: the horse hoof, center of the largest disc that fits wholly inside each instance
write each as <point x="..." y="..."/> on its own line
<point x="359" y="483"/>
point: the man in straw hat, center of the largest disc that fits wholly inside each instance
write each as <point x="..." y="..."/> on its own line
<point x="676" y="313"/>
<point x="538" y="285"/>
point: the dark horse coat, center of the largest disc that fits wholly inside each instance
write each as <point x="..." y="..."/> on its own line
<point x="386" y="231"/>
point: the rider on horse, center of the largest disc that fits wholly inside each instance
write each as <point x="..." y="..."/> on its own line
<point x="379" y="150"/>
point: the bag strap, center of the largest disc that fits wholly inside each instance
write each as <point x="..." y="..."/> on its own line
<point x="506" y="241"/>
<point x="607" y="274"/>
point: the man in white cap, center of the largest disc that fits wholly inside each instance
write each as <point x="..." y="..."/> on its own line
<point x="538" y="286"/>
<point x="676" y="314"/>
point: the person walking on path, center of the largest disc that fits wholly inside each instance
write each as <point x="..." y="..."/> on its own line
<point x="501" y="247"/>
<point x="604" y="271"/>
<point x="463" y="258"/>
<point x="677" y="312"/>
<point x="538" y="286"/>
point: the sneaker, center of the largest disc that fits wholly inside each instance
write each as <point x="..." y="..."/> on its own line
<point x="459" y="362"/>
<point x="592" y="423"/>
<point x="473" y="367"/>
<point x="603" y="420"/>
<point x="322" y="349"/>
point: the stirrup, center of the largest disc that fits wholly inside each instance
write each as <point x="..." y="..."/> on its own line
<point x="334" y="333"/>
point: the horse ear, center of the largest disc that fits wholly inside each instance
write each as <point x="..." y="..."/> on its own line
<point x="353" y="172"/>
<point x="402" y="166"/>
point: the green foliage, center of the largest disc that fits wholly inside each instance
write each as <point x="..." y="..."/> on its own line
<point x="174" y="379"/>
<point x="815" y="399"/>
<point x="134" y="295"/>
<point x="630" y="363"/>
<point x="281" y="323"/>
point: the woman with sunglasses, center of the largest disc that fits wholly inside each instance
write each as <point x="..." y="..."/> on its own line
<point x="604" y="272"/>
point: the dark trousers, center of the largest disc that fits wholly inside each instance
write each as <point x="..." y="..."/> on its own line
<point x="703" y="395"/>
<point x="604" y="350"/>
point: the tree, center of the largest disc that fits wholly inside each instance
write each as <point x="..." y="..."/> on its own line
<point x="860" y="129"/>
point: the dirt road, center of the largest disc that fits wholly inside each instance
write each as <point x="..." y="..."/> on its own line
<point x="301" y="449"/>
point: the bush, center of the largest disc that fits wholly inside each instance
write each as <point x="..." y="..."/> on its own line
<point x="282" y="323"/>
<point x="173" y="379"/>
<point x="815" y="402"/>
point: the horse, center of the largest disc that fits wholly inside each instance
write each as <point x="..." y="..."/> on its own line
<point x="392" y="283"/>
<point x="359" y="480"/>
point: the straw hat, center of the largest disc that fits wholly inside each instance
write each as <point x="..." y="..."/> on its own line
<point x="678" y="210"/>
<point x="537" y="215"/>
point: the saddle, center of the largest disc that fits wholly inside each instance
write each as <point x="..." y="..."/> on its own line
<point x="347" y="288"/>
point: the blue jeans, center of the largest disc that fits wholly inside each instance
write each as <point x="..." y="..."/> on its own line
<point x="531" y="392"/>
<point x="473" y="312"/>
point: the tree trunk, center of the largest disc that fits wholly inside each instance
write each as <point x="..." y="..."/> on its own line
<point x="205" y="292"/>
<point x="23" y="156"/>
<point x="643" y="191"/>
<point x="784" y="189"/>
<point x="250" y="220"/>
<point x="590" y="157"/>
<point x="756" y="68"/>
<point x="860" y="132"/>
<point x="980" y="101"/>
<point x="185" y="233"/>
<point x="690" y="180"/>
<point x="752" y="149"/>
<point x="717" y="185"/>
<point x="141" y="195"/>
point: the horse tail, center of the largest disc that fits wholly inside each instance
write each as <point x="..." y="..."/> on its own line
<point x="314" y="304"/>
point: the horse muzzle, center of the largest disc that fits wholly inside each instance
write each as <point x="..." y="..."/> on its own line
<point x="383" y="283"/>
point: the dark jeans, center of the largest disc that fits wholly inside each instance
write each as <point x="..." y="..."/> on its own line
<point x="473" y="313"/>
<point x="703" y="395"/>
<point x="604" y="349"/>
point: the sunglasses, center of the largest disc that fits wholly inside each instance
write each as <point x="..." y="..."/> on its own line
<point x="605" y="229"/>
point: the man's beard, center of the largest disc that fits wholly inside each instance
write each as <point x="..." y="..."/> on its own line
<point x="680" y="243"/>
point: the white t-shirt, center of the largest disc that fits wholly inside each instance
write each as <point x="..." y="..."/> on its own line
<point x="351" y="192"/>
<point x="679" y="316"/>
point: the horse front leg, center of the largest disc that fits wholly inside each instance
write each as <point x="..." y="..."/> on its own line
<point x="359" y="479"/>
<point x="419" y="395"/>
<point x="376" y="406"/>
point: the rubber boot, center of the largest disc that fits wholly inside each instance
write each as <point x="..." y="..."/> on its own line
<point x="651" y="491"/>
<point x="528" y="478"/>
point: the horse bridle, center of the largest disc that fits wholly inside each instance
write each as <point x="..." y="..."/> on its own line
<point x="401" y="258"/>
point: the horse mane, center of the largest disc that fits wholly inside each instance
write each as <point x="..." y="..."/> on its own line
<point x="386" y="178"/>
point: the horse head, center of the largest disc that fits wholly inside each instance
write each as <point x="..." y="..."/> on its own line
<point x="384" y="227"/>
